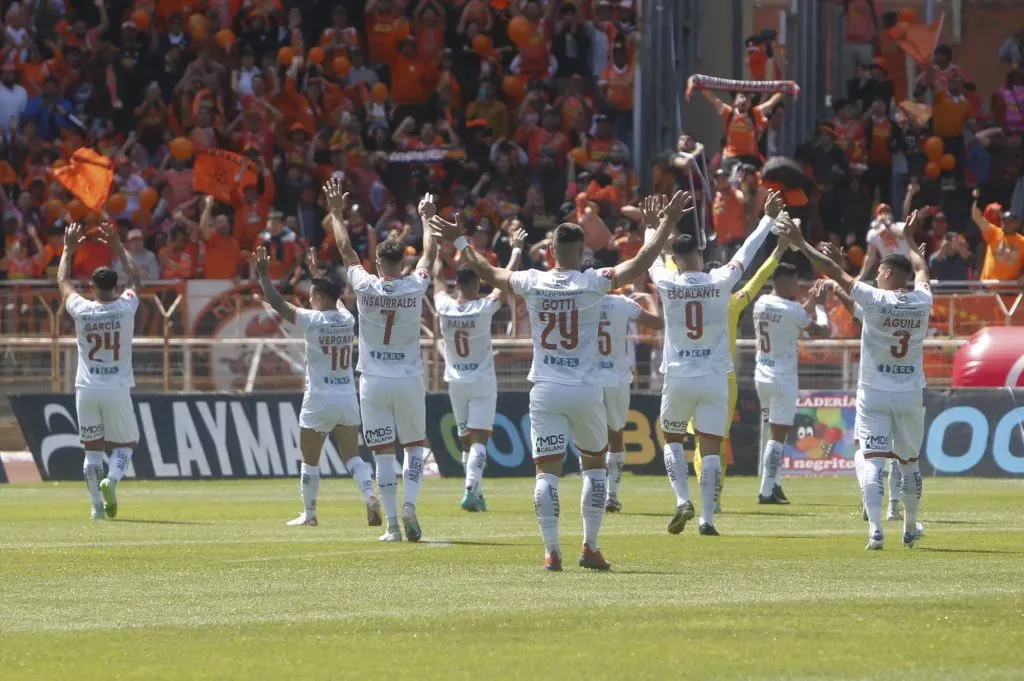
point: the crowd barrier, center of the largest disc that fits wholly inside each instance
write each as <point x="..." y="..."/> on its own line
<point x="975" y="432"/>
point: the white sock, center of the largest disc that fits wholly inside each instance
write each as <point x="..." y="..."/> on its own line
<point x="309" y="487"/>
<point x="615" y="461"/>
<point x="710" y="479"/>
<point x="595" y="491"/>
<point x="678" y="474"/>
<point x="412" y="472"/>
<point x="465" y="457"/>
<point x="92" y="469"/>
<point x="387" y="483"/>
<point x="895" y="485"/>
<point x="913" y="485"/>
<point x="475" y="467"/>
<point x="771" y="462"/>
<point x="871" y="471"/>
<point x="545" y="504"/>
<point x="362" y="474"/>
<point x="119" y="460"/>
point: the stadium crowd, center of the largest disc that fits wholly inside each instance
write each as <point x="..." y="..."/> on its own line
<point x="516" y="113"/>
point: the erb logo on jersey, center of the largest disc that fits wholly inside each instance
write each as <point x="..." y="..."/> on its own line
<point x="549" y="444"/>
<point x="378" y="436"/>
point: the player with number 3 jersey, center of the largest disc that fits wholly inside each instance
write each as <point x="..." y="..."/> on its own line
<point x="565" y="403"/>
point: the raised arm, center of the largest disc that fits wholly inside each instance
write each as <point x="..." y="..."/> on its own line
<point x="73" y="237"/>
<point x="680" y="205"/>
<point x="517" y="240"/>
<point x="870" y="262"/>
<point x="917" y="261"/>
<point x="270" y="293"/>
<point x="109" y="235"/>
<point x="978" y="216"/>
<point x="427" y="210"/>
<point x="814" y="306"/>
<point x="451" y="232"/>
<point x="649" y="321"/>
<point x="440" y="285"/>
<point x="819" y="260"/>
<point x="337" y="201"/>
<point x="744" y="296"/>
<point x="773" y="206"/>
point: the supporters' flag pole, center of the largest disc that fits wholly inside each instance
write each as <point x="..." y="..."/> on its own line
<point x="701" y="168"/>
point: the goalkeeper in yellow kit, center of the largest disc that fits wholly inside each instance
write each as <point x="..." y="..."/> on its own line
<point x="737" y="304"/>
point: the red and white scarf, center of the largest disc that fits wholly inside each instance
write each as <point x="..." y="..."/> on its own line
<point x="702" y="82"/>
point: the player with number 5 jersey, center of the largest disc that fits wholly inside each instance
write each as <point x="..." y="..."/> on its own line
<point x="566" y="403"/>
<point x="465" y="321"/>
<point x="890" y="392"/>
<point x="696" y="361"/>
<point x="391" y="391"/>
<point x="104" y="378"/>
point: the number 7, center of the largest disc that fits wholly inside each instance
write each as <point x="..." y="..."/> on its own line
<point x="389" y="324"/>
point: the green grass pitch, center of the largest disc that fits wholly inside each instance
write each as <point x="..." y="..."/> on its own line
<point x="202" y="580"/>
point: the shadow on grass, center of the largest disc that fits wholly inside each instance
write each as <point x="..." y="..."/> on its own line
<point x="978" y="551"/>
<point x="953" y="522"/>
<point x="781" y="514"/>
<point x="163" y="522"/>
<point x="466" y="542"/>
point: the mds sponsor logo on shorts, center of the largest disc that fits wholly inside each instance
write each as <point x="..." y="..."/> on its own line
<point x="549" y="444"/>
<point x="378" y="436"/>
<point x="670" y="426"/>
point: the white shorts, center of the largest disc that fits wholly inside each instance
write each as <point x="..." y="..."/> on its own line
<point x="616" y="405"/>
<point x="705" y="399"/>
<point x="322" y="412"/>
<point x="890" y="422"/>
<point x="393" y="409"/>
<point x="559" y="412"/>
<point x="778" y="402"/>
<point x="474" y="404"/>
<point x="106" y="414"/>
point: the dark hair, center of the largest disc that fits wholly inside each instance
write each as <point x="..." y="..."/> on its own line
<point x="568" y="233"/>
<point x="590" y="264"/>
<point x="784" y="269"/>
<point x="104" y="279"/>
<point x="465" y="276"/>
<point x="327" y="286"/>
<point x="944" y="50"/>
<point x="899" y="262"/>
<point x="177" y="231"/>
<point x="391" y="251"/>
<point x="711" y="265"/>
<point x="889" y="19"/>
<point x="685" y="245"/>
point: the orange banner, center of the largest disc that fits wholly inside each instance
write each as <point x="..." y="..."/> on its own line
<point x="218" y="173"/>
<point x="918" y="40"/>
<point x="87" y="176"/>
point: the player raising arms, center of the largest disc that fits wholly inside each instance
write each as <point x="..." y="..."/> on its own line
<point x="469" y="364"/>
<point x="618" y="313"/>
<point x="104" y="378"/>
<point x="391" y="392"/>
<point x="696" y="361"/>
<point x="329" y="402"/>
<point x="565" y="314"/>
<point x="778" y="322"/>
<point x="890" y="399"/>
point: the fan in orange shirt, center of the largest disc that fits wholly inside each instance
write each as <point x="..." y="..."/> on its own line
<point x="1004" y="258"/>
<point x="744" y="126"/>
<point x="178" y="258"/>
<point x="729" y="211"/>
<point x="384" y="26"/>
<point x="282" y="245"/>
<point x="574" y="107"/>
<point x="409" y="75"/>
<point x="222" y="257"/>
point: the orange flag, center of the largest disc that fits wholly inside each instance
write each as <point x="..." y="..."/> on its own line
<point x="918" y="40"/>
<point x="220" y="173"/>
<point x="88" y="176"/>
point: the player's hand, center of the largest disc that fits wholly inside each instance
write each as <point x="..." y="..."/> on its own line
<point x="313" y="262"/>
<point x="680" y="205"/>
<point x="337" y="197"/>
<point x="518" y="238"/>
<point x="831" y="251"/>
<point x="428" y="206"/>
<point x="774" y="204"/>
<point x="108" y="234"/>
<point x="651" y="208"/>
<point x="910" y="228"/>
<point x="442" y="229"/>
<point x="74" y="236"/>
<point x="209" y="202"/>
<point x="261" y="259"/>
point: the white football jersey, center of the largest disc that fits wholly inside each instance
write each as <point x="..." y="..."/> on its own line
<point x="105" y="332"/>
<point x="888" y="241"/>
<point x="892" y="336"/>
<point x="467" y="336"/>
<point x="329" y="335"/>
<point x="696" y="309"/>
<point x="615" y="359"/>
<point x="565" y="311"/>
<point x="389" y="322"/>
<point x="778" y="323"/>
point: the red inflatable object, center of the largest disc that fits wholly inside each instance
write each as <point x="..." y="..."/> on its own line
<point x="992" y="358"/>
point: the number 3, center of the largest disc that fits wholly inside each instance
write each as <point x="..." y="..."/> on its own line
<point x="900" y="351"/>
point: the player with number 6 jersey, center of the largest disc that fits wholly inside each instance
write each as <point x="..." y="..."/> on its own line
<point x="103" y="380"/>
<point x="391" y="390"/>
<point x="890" y="391"/>
<point x="465" y="321"/>
<point x="565" y="312"/>
<point x="696" y="361"/>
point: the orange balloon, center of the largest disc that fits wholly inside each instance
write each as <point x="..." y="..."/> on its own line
<point x="76" y="209"/>
<point x="148" y="198"/>
<point x="197" y="26"/>
<point x="341" y="65"/>
<point x="379" y="93"/>
<point x="855" y="255"/>
<point x="141" y="19"/>
<point x="519" y="30"/>
<point x="482" y="44"/>
<point x="316" y="56"/>
<point x="181" y="148"/>
<point x="285" y="55"/>
<point x="934" y="148"/>
<point x="947" y="162"/>
<point x="933" y="169"/>
<point x="52" y="210"/>
<point x="226" y="38"/>
<point x="116" y="203"/>
<point x="401" y="29"/>
<point x="513" y="86"/>
<point x="909" y="15"/>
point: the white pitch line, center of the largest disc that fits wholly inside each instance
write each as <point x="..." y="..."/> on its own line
<point x="430" y="544"/>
